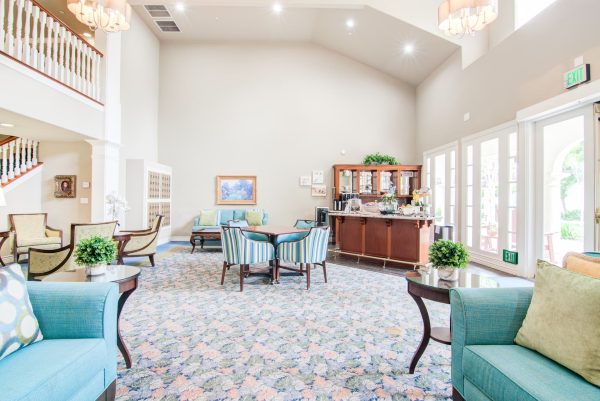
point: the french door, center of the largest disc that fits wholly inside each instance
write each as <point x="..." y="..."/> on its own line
<point x="565" y="184"/>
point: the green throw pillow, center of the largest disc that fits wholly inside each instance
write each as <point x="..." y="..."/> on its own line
<point x="563" y="320"/>
<point x="18" y="325"/>
<point x="209" y="218"/>
<point x="254" y="217"/>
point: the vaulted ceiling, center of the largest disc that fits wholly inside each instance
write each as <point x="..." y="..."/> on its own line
<point x="377" y="39"/>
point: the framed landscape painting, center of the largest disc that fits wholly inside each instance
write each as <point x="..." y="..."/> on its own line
<point x="236" y="190"/>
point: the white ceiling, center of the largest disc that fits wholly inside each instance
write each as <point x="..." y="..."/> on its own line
<point x="30" y="128"/>
<point x="377" y="39"/>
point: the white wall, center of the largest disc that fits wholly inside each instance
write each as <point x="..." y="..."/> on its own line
<point x="26" y="197"/>
<point x="66" y="158"/>
<point x="275" y="111"/>
<point x="524" y="69"/>
<point x="139" y="96"/>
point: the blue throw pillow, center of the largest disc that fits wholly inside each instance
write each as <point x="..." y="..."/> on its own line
<point x="18" y="325"/>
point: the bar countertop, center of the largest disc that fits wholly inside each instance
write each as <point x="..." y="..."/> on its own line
<point x="379" y="216"/>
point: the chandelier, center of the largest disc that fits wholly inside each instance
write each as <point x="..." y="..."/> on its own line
<point x="107" y="15"/>
<point x="465" y="17"/>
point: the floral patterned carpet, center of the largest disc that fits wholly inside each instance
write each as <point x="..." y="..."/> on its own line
<point x="351" y="339"/>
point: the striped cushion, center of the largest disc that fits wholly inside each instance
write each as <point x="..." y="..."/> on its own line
<point x="237" y="249"/>
<point x="310" y="249"/>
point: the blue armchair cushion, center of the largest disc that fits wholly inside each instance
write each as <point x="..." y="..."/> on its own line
<point x="512" y="372"/>
<point x="18" y="325"/>
<point x="226" y="215"/>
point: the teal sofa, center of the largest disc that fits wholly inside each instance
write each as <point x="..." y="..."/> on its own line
<point x="77" y="359"/>
<point x="486" y="363"/>
<point x="224" y="215"/>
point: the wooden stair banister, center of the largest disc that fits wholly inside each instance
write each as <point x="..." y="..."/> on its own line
<point x="17" y="157"/>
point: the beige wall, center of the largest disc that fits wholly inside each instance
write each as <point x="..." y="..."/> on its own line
<point x="524" y="69"/>
<point x="26" y="197"/>
<point x="66" y="158"/>
<point x="139" y="96"/>
<point x="274" y="111"/>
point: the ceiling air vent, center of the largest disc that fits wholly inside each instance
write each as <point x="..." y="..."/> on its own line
<point x="157" y="11"/>
<point x="167" y="26"/>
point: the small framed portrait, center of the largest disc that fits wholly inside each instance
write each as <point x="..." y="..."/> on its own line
<point x="236" y="190"/>
<point x="319" y="190"/>
<point x="65" y="186"/>
<point x="317" y="177"/>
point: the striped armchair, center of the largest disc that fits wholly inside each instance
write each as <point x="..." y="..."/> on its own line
<point x="310" y="250"/>
<point x="243" y="251"/>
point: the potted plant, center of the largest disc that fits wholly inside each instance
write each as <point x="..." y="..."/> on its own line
<point x="94" y="253"/>
<point x="378" y="158"/>
<point x="388" y="204"/>
<point x="448" y="257"/>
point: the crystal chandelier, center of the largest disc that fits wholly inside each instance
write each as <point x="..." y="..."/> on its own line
<point x="107" y="15"/>
<point x="465" y="17"/>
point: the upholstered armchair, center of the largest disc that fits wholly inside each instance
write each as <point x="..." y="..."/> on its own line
<point x="243" y="251"/>
<point x="143" y="242"/>
<point x="31" y="231"/>
<point x="43" y="262"/>
<point x="310" y="250"/>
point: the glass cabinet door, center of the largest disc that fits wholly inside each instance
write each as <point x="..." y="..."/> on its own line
<point x="366" y="182"/>
<point x="346" y="182"/>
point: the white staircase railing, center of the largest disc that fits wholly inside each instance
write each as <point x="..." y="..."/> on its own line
<point x="33" y="36"/>
<point x="19" y="155"/>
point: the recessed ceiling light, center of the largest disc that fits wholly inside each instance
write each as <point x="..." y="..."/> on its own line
<point x="350" y="23"/>
<point x="409" y="48"/>
<point x="87" y="34"/>
<point x="7" y="125"/>
<point x="277" y="8"/>
<point x="180" y="7"/>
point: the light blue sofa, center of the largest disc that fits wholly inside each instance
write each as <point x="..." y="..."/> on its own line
<point x="224" y="215"/>
<point x="77" y="359"/>
<point x="488" y="366"/>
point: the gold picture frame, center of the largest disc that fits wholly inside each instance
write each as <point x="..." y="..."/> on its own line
<point x="65" y="186"/>
<point x="236" y="190"/>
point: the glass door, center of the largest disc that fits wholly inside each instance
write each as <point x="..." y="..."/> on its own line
<point x="565" y="185"/>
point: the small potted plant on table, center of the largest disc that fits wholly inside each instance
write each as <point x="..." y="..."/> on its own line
<point x="94" y="253"/>
<point x="448" y="257"/>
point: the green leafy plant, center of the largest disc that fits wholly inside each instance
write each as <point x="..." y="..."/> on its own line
<point x="95" y="250"/>
<point x="571" y="231"/>
<point x="378" y="158"/>
<point x="388" y="198"/>
<point x="444" y="253"/>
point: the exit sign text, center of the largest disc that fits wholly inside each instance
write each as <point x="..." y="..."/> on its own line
<point x="510" y="257"/>
<point x="577" y="75"/>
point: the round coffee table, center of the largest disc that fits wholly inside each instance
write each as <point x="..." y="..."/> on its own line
<point x="429" y="286"/>
<point x="125" y="276"/>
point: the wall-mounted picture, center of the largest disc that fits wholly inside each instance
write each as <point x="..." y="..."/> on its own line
<point x="236" y="190"/>
<point x="65" y="186"/>
<point x="317" y="177"/>
<point x="319" y="190"/>
<point x="305" y="180"/>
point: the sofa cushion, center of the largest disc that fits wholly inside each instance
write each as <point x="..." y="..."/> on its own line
<point x="52" y="369"/>
<point x="29" y="225"/>
<point x="254" y="217"/>
<point x="18" y="325"/>
<point x="239" y="214"/>
<point x="209" y="217"/>
<point x="32" y="242"/>
<point x="562" y="321"/>
<point x="584" y="264"/>
<point x="200" y="228"/>
<point x="515" y="373"/>
<point x="226" y="215"/>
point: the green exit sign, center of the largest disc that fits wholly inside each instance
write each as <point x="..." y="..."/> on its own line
<point x="510" y="257"/>
<point x="577" y="75"/>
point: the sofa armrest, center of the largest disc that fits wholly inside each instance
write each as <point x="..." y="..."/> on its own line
<point x="484" y="317"/>
<point x="265" y="219"/>
<point x="75" y="310"/>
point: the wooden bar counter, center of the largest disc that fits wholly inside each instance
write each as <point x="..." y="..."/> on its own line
<point x="402" y="240"/>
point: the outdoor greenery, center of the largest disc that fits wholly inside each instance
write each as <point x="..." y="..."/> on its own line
<point x="95" y="250"/>
<point x="444" y="253"/>
<point x="571" y="231"/>
<point x="572" y="175"/>
<point x="378" y="158"/>
<point x="571" y="215"/>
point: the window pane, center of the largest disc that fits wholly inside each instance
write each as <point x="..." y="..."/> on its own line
<point x="512" y="195"/>
<point x="452" y="199"/>
<point x="439" y="191"/>
<point x="453" y="178"/>
<point x="512" y="144"/>
<point x="452" y="215"/>
<point x="469" y="216"/>
<point x="489" y="182"/>
<point x="469" y="236"/>
<point x="470" y="155"/>
<point x="512" y="169"/>
<point x="470" y="175"/>
<point x="512" y="219"/>
<point x="512" y="241"/>
<point x="469" y="196"/>
<point x="452" y="159"/>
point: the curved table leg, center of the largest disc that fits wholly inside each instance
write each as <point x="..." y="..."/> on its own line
<point x="120" y="342"/>
<point x="426" y="333"/>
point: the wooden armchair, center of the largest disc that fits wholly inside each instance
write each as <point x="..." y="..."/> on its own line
<point x="31" y="231"/>
<point x="143" y="242"/>
<point x="43" y="262"/>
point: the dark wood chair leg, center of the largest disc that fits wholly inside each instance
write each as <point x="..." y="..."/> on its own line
<point x="223" y="274"/>
<point x="242" y="277"/>
<point x="325" y="271"/>
<point x="202" y="243"/>
<point x="308" y="276"/>
<point x="193" y="242"/>
<point x="151" y="257"/>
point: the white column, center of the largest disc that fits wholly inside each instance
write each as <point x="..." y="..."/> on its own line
<point x="17" y="165"/>
<point x="34" y="36"/>
<point x="2" y="31"/>
<point x="105" y="176"/>
<point x="49" y="55"/>
<point x="4" y="177"/>
<point x="68" y="58"/>
<point x="24" y="155"/>
<point x="27" y="37"/>
<point x="20" y="6"/>
<point x="41" y="57"/>
<point x="11" y="158"/>
<point x="29" y="154"/>
<point x="73" y="72"/>
<point x="9" y="27"/>
<point x="34" y="160"/>
<point x="61" y="55"/>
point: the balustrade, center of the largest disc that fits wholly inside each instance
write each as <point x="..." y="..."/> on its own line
<point x="33" y="36"/>
<point x="19" y="155"/>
